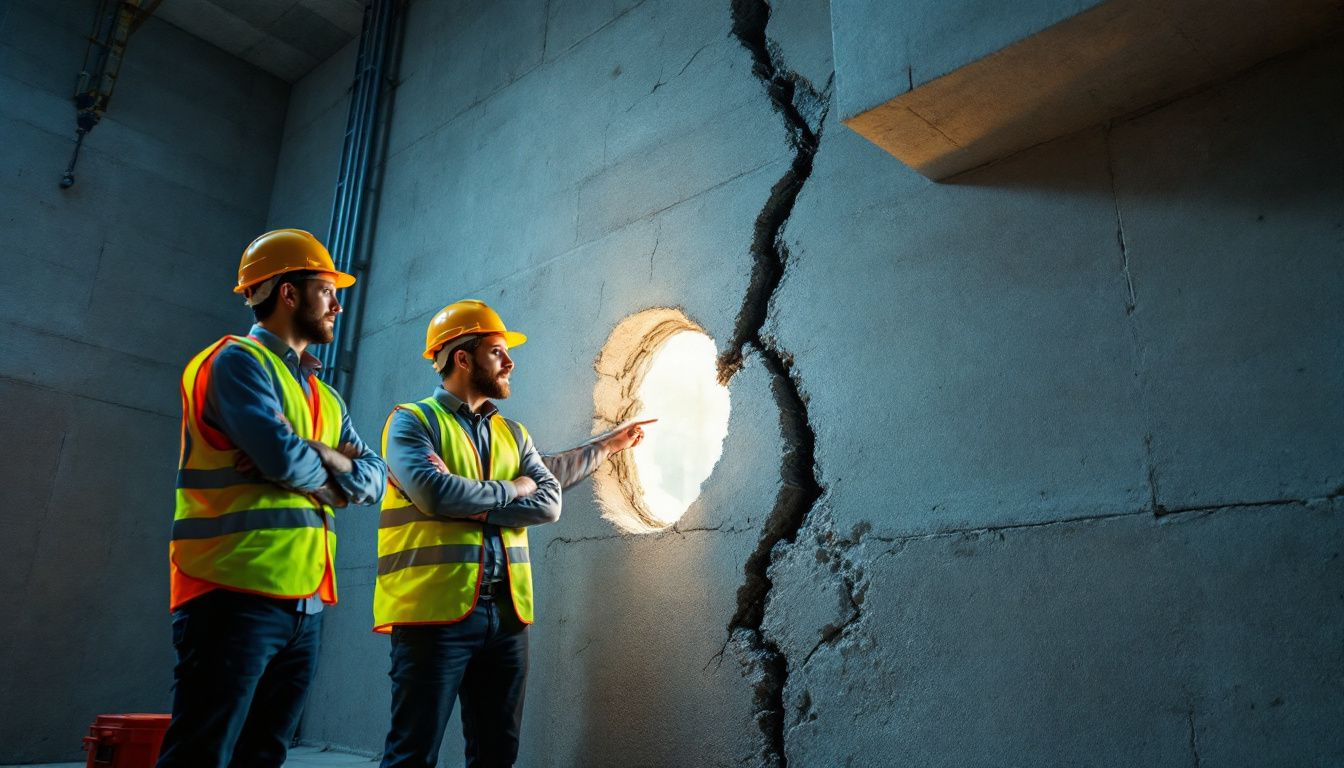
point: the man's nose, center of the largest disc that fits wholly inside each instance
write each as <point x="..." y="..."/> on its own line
<point x="336" y="305"/>
<point x="508" y="362"/>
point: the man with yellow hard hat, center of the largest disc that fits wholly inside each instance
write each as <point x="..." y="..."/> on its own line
<point x="454" y="584"/>
<point x="268" y="454"/>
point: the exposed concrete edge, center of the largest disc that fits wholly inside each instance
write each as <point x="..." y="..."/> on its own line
<point x="620" y="368"/>
<point x="1111" y="60"/>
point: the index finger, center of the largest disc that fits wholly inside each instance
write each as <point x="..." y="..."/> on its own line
<point x="630" y="424"/>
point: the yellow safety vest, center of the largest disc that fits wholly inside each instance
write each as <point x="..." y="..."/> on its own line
<point x="429" y="568"/>
<point x="244" y="532"/>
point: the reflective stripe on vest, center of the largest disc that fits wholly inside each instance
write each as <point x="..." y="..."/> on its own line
<point x="429" y="568"/>
<point x="241" y="531"/>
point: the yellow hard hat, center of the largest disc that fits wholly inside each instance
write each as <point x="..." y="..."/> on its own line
<point x="286" y="250"/>
<point x="468" y="316"/>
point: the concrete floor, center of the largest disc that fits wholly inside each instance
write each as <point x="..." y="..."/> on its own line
<point x="299" y="757"/>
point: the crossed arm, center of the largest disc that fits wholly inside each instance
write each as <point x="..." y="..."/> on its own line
<point x="241" y="402"/>
<point x="532" y="498"/>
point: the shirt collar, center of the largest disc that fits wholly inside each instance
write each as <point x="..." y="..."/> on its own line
<point x="453" y="404"/>
<point x="282" y="350"/>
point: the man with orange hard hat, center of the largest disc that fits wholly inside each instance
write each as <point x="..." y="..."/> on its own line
<point x="454" y="581"/>
<point x="268" y="454"/>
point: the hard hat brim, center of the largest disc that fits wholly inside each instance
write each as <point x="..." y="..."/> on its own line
<point x="511" y="339"/>
<point x="341" y="279"/>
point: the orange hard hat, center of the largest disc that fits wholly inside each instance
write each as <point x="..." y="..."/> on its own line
<point x="463" y="318"/>
<point x="286" y="250"/>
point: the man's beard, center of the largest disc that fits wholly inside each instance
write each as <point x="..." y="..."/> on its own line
<point x="490" y="386"/>
<point x="308" y="322"/>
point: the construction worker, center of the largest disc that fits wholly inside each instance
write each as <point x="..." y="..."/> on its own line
<point x="454" y="583"/>
<point x="268" y="452"/>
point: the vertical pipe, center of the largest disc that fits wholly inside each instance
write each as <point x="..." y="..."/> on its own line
<point x="350" y="211"/>
<point x="340" y="209"/>
<point x="339" y="205"/>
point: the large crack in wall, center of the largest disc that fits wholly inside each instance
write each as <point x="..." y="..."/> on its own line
<point x="796" y="100"/>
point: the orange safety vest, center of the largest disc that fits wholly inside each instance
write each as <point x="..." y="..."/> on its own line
<point x="243" y="532"/>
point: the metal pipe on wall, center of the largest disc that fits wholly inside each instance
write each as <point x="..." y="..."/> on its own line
<point x="349" y="233"/>
<point x="113" y="24"/>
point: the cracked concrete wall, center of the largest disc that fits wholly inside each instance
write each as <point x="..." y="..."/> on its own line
<point x="110" y="287"/>
<point x="1041" y="467"/>
<point x="1129" y="321"/>
<point x="518" y="172"/>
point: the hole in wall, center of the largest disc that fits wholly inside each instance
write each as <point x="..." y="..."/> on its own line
<point x="659" y="364"/>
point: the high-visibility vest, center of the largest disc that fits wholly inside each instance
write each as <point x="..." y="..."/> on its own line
<point x="244" y="532"/>
<point x="430" y="568"/>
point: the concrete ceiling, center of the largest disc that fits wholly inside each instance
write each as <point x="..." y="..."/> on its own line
<point x="287" y="38"/>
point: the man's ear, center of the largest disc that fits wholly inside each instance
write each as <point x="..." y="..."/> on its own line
<point x="289" y="294"/>
<point x="462" y="362"/>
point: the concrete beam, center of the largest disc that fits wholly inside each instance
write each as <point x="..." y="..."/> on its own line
<point x="1108" y="60"/>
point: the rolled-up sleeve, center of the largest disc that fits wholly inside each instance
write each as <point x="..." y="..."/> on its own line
<point x="363" y="484"/>
<point x="535" y="509"/>
<point x="434" y="492"/>
<point x="241" y="402"/>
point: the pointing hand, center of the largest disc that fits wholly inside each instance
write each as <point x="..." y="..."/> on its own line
<point x="627" y="435"/>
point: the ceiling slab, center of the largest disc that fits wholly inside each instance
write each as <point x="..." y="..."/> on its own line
<point x="287" y="38"/>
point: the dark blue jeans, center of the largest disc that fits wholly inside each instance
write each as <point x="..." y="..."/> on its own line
<point x="244" y="663"/>
<point x="483" y="661"/>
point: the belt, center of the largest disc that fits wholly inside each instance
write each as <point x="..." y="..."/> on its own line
<point x="492" y="589"/>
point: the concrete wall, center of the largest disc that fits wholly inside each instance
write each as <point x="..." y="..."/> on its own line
<point x="1070" y="425"/>
<point x="109" y="287"/>
<point x="1041" y="467"/>
<point x="922" y="40"/>
<point x="1118" y="322"/>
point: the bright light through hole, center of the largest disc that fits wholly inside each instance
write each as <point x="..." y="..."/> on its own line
<point x="681" y="390"/>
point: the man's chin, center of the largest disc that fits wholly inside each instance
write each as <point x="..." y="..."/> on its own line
<point x="317" y="332"/>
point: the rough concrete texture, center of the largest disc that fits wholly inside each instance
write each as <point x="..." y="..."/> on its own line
<point x="1073" y="371"/>
<point x="518" y="172"/>
<point x="110" y="286"/>
<point x="956" y="408"/>
<point x="1035" y="468"/>
<point x="1192" y="640"/>
<point x="1231" y="215"/>
<point x="959" y="411"/>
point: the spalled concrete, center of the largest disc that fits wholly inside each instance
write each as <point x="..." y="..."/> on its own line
<point x="1121" y="641"/>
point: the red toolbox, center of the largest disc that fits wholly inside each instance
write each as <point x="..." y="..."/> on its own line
<point x="125" y="741"/>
